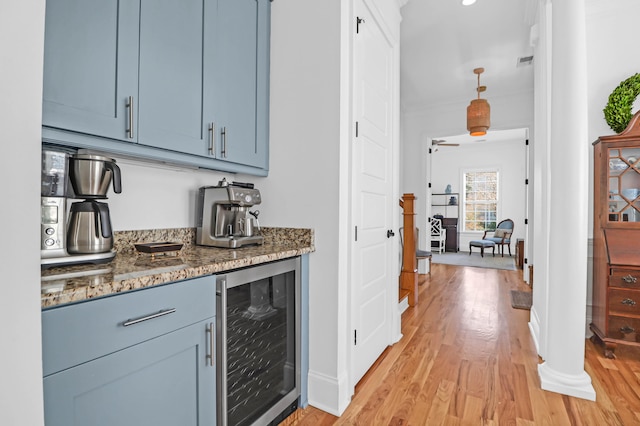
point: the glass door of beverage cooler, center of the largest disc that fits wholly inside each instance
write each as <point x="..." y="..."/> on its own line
<point x="624" y="185"/>
<point x="258" y="343"/>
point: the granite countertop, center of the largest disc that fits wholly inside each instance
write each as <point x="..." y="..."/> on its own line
<point x="131" y="270"/>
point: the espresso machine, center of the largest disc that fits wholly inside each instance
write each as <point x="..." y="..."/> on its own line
<point x="81" y="232"/>
<point x="224" y="217"/>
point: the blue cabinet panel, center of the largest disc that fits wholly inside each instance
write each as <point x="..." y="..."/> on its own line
<point x="164" y="381"/>
<point x="243" y="41"/>
<point x="90" y="65"/>
<point x="175" y="98"/>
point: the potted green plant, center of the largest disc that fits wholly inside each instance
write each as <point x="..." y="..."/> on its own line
<point x="617" y="112"/>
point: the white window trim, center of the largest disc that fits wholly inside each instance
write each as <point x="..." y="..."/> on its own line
<point x="463" y="196"/>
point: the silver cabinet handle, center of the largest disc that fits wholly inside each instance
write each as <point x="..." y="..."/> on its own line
<point x="223" y="133"/>
<point x="629" y="279"/>
<point x="130" y="110"/>
<point x="212" y="139"/>
<point x="211" y="355"/>
<point x="162" y="313"/>
<point x="629" y="302"/>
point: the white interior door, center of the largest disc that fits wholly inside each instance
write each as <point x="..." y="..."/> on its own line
<point x="373" y="203"/>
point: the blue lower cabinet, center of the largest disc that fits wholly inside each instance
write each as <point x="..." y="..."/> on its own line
<point x="143" y="357"/>
<point x="168" y="380"/>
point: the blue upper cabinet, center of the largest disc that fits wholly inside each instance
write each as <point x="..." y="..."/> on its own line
<point x="243" y="93"/>
<point x="90" y="66"/>
<point x="175" y="90"/>
<point x="175" y="81"/>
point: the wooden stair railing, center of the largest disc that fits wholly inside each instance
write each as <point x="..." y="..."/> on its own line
<point x="409" y="272"/>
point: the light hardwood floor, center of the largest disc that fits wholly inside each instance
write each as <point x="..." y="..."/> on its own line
<point x="467" y="358"/>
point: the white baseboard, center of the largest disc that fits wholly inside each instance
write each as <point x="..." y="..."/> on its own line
<point x="534" y="327"/>
<point x="328" y="394"/>
<point x="403" y="305"/>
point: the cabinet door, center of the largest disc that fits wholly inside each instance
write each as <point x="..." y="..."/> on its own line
<point x="242" y="81"/>
<point x="164" y="381"/>
<point x="90" y="65"/>
<point x="174" y="96"/>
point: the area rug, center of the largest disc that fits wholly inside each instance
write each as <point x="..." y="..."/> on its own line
<point x="521" y="299"/>
<point x="462" y="258"/>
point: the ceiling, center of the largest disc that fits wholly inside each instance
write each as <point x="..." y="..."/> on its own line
<point x="442" y="41"/>
<point x="492" y="136"/>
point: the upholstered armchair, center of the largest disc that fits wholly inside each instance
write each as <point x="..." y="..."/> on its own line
<point x="501" y="236"/>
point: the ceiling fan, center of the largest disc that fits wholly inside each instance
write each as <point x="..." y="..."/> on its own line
<point x="443" y="142"/>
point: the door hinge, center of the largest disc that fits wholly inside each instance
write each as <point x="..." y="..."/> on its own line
<point x="526" y="221"/>
<point x="359" y="21"/>
<point x="356" y="233"/>
<point x="356" y="129"/>
<point x="526" y="141"/>
<point x="355" y="337"/>
<point x="429" y="184"/>
<point x="429" y="150"/>
<point x="526" y="260"/>
<point x="526" y="181"/>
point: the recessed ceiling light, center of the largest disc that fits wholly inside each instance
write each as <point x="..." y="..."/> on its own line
<point x="468" y="2"/>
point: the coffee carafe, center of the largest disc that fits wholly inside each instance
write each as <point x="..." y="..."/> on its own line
<point x="89" y="229"/>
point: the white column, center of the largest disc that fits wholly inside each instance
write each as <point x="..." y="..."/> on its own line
<point x="563" y="369"/>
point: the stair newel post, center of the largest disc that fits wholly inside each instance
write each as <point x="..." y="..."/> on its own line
<point x="409" y="273"/>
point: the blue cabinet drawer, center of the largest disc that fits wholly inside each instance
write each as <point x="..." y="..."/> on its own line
<point x="78" y="333"/>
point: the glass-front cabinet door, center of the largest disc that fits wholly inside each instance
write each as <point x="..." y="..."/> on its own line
<point x="624" y="184"/>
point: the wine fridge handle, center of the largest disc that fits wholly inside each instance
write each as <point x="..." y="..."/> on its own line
<point x="221" y="350"/>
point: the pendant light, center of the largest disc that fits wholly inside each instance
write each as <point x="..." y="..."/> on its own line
<point x="478" y="111"/>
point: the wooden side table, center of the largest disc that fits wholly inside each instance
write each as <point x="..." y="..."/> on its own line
<point x="520" y="253"/>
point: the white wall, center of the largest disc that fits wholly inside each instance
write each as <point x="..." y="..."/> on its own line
<point x="304" y="186"/>
<point x="508" y="157"/>
<point x="156" y="196"/>
<point x="21" y="47"/>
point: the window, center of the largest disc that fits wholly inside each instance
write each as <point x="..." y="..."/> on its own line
<point x="480" y="200"/>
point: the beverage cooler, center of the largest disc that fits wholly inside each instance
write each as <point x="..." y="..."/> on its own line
<point x="452" y="242"/>
<point x="258" y="343"/>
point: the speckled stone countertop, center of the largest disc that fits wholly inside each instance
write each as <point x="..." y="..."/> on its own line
<point x="131" y="269"/>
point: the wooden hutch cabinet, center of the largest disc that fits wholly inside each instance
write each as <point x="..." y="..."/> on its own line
<point x="616" y="239"/>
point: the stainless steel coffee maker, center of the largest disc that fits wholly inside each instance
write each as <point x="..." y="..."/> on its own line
<point x="224" y="216"/>
<point x="83" y="234"/>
